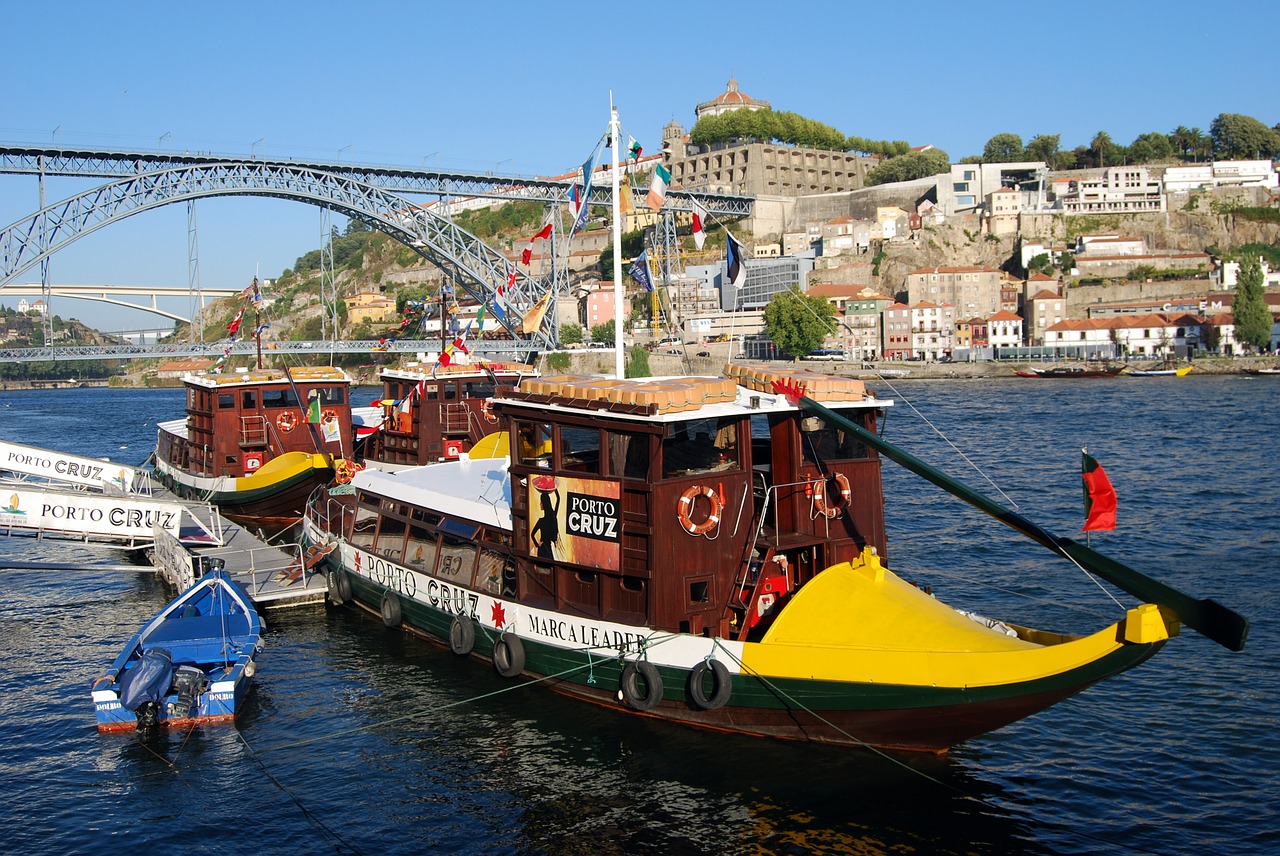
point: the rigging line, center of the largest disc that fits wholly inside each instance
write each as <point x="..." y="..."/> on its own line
<point x="947" y="440"/>
<point x="307" y="813"/>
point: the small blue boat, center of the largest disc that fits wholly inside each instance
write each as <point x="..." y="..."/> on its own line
<point x="190" y="664"/>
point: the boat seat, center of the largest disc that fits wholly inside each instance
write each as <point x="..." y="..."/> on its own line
<point x="198" y="639"/>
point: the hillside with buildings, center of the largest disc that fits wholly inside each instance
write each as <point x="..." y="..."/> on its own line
<point x="975" y="261"/>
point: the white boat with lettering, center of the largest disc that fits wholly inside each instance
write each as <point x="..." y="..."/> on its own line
<point x="30" y="464"/>
<point x="129" y="521"/>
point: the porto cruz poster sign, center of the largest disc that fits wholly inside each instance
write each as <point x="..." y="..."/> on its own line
<point x="576" y="521"/>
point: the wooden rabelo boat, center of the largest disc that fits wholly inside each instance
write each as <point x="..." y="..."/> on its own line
<point x="257" y="443"/>
<point x="712" y="551"/>
<point x="437" y="414"/>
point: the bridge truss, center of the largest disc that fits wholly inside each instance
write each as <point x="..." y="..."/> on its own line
<point x="372" y="194"/>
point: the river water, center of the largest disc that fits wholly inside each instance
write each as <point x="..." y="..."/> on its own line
<point x="358" y="739"/>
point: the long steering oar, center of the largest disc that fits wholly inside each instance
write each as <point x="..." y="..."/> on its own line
<point x="1225" y="626"/>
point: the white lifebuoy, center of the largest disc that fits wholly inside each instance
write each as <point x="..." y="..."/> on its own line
<point x="684" y="511"/>
<point x="287" y="421"/>
<point x="820" y="496"/>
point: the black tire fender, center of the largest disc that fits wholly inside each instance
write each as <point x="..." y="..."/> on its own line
<point x="339" y="587"/>
<point x="721" y="685"/>
<point x="630" y="685"/>
<point x="508" y="655"/>
<point x="462" y="635"/>
<point x="390" y="608"/>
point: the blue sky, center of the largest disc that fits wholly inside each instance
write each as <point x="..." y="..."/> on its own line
<point x="524" y="88"/>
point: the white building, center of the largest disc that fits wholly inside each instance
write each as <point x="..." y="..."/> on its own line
<point x="1004" y="330"/>
<point x="1120" y="190"/>
<point x="1254" y="173"/>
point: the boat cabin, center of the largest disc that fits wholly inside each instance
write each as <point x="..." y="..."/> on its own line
<point x="437" y="414"/>
<point x="236" y="423"/>
<point x="693" y="505"/>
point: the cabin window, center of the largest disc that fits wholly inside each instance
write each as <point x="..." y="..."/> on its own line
<point x="390" y="541"/>
<point x="362" y="529"/>
<point x="477" y="389"/>
<point x="450" y="391"/>
<point x="333" y="395"/>
<point x="533" y="444"/>
<point x="580" y="450"/>
<point x="700" y="446"/>
<point x="493" y="569"/>
<point x="457" y="560"/>
<point x="428" y="517"/>
<point x="628" y="455"/>
<point x="248" y="400"/>
<point x="700" y="591"/>
<point x="821" y="443"/>
<point x="420" y="549"/>
<point x="279" y="398"/>
<point x="226" y="400"/>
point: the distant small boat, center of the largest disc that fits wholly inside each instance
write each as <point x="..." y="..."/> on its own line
<point x="1057" y="372"/>
<point x="190" y="664"/>
<point x="1182" y="371"/>
<point x="1275" y="371"/>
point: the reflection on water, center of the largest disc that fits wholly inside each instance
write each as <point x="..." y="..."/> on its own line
<point x="359" y="739"/>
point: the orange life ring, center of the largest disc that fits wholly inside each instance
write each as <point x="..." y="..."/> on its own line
<point x="685" y="510"/>
<point x="820" y="496"/>
<point x="329" y="416"/>
<point x="487" y="411"/>
<point x="344" y="471"/>
<point x="287" y="421"/>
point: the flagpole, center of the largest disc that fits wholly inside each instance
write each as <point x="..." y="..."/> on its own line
<point x="1088" y="536"/>
<point x="619" y="369"/>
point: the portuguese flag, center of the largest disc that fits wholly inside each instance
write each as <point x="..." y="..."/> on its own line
<point x="313" y="408"/>
<point x="1099" y="496"/>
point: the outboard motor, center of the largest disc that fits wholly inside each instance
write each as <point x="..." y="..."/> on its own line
<point x="189" y="682"/>
<point x="142" y="687"/>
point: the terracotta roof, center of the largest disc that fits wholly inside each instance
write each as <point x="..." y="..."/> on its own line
<point x="1005" y="315"/>
<point x="1047" y="295"/>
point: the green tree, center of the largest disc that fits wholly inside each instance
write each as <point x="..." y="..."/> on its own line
<point x="910" y="166"/>
<point x="1252" y="316"/>
<point x="797" y="322"/>
<point x="1003" y="148"/>
<point x="603" y="332"/>
<point x="1043" y="147"/>
<point x="1238" y="137"/>
<point x="570" y="334"/>
<point x="638" y="365"/>
<point x="1101" y="147"/>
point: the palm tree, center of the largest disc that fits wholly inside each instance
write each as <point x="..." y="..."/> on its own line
<point x="1181" y="138"/>
<point x="1100" y="146"/>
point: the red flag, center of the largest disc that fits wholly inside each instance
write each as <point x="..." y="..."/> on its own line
<point x="526" y="256"/>
<point x="545" y="233"/>
<point x="1099" y="496"/>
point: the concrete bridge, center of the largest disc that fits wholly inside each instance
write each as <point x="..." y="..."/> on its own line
<point x="374" y="194"/>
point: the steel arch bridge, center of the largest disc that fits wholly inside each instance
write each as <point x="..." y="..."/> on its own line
<point x="151" y="180"/>
<point x="469" y="262"/>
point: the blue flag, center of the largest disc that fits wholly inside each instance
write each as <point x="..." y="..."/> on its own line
<point x="639" y="271"/>
<point x="581" y="219"/>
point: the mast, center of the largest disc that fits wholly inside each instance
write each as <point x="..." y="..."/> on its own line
<point x="257" y="320"/>
<point x="619" y="368"/>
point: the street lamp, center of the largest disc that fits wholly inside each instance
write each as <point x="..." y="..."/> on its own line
<point x="341" y="150"/>
<point x="254" y="145"/>
<point x="166" y="135"/>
